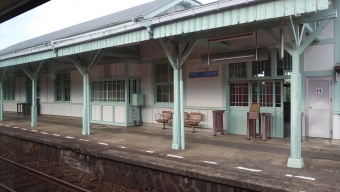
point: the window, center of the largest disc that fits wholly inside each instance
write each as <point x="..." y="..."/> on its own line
<point x="278" y="94"/>
<point x="262" y="92"/>
<point x="63" y="86"/>
<point x="284" y="66"/>
<point x="108" y="91"/>
<point x="9" y="90"/>
<point x="238" y="94"/>
<point x="261" y="68"/>
<point x="237" y="70"/>
<point x="164" y="83"/>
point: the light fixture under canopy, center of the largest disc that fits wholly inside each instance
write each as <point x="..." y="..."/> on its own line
<point x="235" y="56"/>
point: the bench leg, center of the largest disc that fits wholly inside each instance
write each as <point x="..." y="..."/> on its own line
<point x="193" y="129"/>
<point x="163" y="126"/>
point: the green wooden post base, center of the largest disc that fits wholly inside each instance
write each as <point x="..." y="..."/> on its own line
<point x="295" y="163"/>
<point x="34" y="111"/>
<point x="295" y="160"/>
<point x="34" y="120"/>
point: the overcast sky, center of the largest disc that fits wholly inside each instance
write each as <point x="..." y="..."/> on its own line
<point x="58" y="14"/>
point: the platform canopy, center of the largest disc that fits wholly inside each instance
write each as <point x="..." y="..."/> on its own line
<point x="13" y="8"/>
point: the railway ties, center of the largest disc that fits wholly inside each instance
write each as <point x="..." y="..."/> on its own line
<point x="16" y="177"/>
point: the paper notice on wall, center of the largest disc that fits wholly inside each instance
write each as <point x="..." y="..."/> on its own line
<point x="196" y="70"/>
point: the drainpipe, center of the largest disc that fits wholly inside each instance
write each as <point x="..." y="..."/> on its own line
<point x="55" y="51"/>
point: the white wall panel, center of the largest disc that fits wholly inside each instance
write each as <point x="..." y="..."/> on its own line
<point x="10" y="106"/>
<point x="44" y="88"/>
<point x="120" y="114"/>
<point x="336" y="126"/>
<point x="319" y="57"/>
<point x="73" y="110"/>
<point x="146" y="83"/>
<point x="130" y="120"/>
<point x="50" y="88"/>
<point x="108" y="113"/>
<point x="96" y="112"/>
<point x="205" y="91"/>
<point x="76" y="87"/>
<point x="147" y="115"/>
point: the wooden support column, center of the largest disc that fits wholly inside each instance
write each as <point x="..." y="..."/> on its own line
<point x="295" y="160"/>
<point x="177" y="61"/>
<point x="3" y="78"/>
<point x="85" y="69"/>
<point x="34" y="76"/>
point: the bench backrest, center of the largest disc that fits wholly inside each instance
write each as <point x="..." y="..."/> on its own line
<point x="195" y="116"/>
<point x="166" y="115"/>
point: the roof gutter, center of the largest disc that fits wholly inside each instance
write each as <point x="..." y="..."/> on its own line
<point x="55" y="44"/>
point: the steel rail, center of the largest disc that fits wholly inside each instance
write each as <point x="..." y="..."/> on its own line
<point x="5" y="188"/>
<point x="40" y="175"/>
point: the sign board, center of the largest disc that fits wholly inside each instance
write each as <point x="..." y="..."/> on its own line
<point x="318" y="90"/>
<point x="203" y="74"/>
<point x="196" y="70"/>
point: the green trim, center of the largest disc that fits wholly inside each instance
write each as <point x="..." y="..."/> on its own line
<point x="312" y="36"/>
<point x="112" y="123"/>
<point x="258" y="78"/>
<point x="224" y="82"/>
<point x="336" y="84"/>
<point x="324" y="41"/>
<point x="63" y="103"/>
<point x="127" y="94"/>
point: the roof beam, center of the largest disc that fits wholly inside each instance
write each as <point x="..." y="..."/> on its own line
<point x="322" y="15"/>
<point x="94" y="61"/>
<point x="272" y="34"/>
<point x="188" y="51"/>
<point x="309" y="31"/>
<point x="119" y="55"/>
<point x="79" y="66"/>
<point x="312" y="36"/>
<point x="229" y="31"/>
<point x="168" y="54"/>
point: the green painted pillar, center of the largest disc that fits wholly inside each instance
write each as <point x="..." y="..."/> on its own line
<point x="127" y="94"/>
<point x="1" y="102"/>
<point x="86" y="110"/>
<point x="176" y="118"/>
<point x="295" y="160"/>
<point x="181" y="106"/>
<point x="34" y="113"/>
<point x="336" y="103"/>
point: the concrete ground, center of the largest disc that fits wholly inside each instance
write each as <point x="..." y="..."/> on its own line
<point x="227" y="156"/>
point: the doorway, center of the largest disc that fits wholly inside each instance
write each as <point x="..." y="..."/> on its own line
<point x="267" y="93"/>
<point x="286" y="108"/>
<point x="319" y="107"/>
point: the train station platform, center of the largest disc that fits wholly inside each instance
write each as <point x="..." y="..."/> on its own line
<point x="224" y="160"/>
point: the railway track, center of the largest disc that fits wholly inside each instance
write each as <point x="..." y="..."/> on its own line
<point x="16" y="177"/>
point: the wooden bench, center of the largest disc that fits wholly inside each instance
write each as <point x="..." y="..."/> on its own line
<point x="194" y="120"/>
<point x="164" y="117"/>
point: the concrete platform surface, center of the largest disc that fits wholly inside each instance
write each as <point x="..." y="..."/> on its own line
<point x="231" y="159"/>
